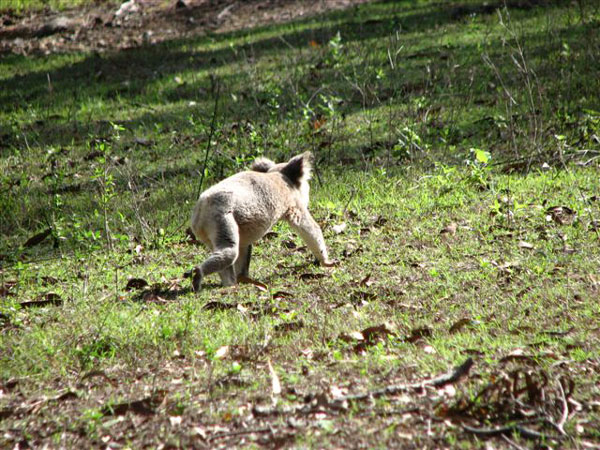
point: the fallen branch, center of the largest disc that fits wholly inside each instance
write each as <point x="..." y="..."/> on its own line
<point x="510" y="429"/>
<point x="453" y="376"/>
<point x="339" y="403"/>
<point x="392" y="412"/>
<point x="565" y="412"/>
<point x="439" y="381"/>
<point x="239" y="433"/>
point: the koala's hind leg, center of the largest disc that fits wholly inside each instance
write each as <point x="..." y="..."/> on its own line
<point x="223" y="233"/>
<point x="242" y="265"/>
<point x="228" y="277"/>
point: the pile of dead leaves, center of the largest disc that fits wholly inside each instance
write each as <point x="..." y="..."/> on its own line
<point x="519" y="398"/>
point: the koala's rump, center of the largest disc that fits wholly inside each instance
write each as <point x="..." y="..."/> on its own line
<point x="259" y="201"/>
<point x="256" y="200"/>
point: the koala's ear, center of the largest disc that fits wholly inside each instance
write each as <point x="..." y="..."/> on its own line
<point x="262" y="164"/>
<point x="298" y="169"/>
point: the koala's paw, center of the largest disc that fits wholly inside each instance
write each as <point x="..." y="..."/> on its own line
<point x="196" y="279"/>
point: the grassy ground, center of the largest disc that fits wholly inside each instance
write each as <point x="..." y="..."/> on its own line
<point x="456" y="144"/>
<point x="33" y="5"/>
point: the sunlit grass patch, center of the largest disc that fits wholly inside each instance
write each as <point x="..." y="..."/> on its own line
<point x="456" y="188"/>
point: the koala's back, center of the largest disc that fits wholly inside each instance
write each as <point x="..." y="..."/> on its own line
<point x="257" y="200"/>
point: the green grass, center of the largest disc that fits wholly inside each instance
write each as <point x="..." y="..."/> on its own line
<point x="106" y="151"/>
<point x="20" y="6"/>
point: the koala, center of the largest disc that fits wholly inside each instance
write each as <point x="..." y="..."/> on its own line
<point x="233" y="214"/>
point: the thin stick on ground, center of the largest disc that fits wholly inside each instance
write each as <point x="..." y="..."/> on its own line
<point x="510" y="429"/>
<point x="239" y="433"/>
<point x="439" y="381"/>
<point x="565" y="412"/>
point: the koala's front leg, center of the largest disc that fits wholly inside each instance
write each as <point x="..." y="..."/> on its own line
<point x="310" y="232"/>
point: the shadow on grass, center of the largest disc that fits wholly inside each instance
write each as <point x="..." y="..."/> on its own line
<point x="129" y="77"/>
<point x="125" y="75"/>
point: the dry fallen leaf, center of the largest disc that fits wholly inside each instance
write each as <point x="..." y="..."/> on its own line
<point x="517" y="354"/>
<point x="371" y="336"/>
<point x="136" y="283"/>
<point x="379" y="221"/>
<point x="319" y="122"/>
<point x="275" y="384"/>
<point x="281" y="295"/>
<point x="50" y="298"/>
<point x="352" y="336"/>
<point x="429" y="349"/>
<point x="450" y="228"/>
<point x="200" y="432"/>
<point x="247" y="280"/>
<point x="5" y="289"/>
<point x="175" y="421"/>
<point x="151" y="296"/>
<point x="336" y="392"/>
<point x="222" y="352"/>
<point x="145" y="407"/>
<point x="366" y="281"/>
<point x="360" y="297"/>
<point x="562" y="215"/>
<point x="418" y="333"/>
<point x="46" y="280"/>
<point x="378" y="332"/>
<point x="141" y="140"/>
<point x="449" y="390"/>
<point x="338" y="229"/>
<point x="525" y="245"/>
<point x="288" y="326"/>
<point x="457" y="326"/>
<point x="288" y="243"/>
<point x="219" y="306"/>
<point x="311" y="276"/>
<point x="37" y="238"/>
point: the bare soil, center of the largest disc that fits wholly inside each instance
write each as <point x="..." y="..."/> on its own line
<point x="102" y="26"/>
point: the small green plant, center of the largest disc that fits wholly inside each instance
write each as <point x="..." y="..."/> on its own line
<point x="91" y="353"/>
<point x="106" y="187"/>
<point x="408" y="143"/>
<point x="479" y="168"/>
<point x="335" y="46"/>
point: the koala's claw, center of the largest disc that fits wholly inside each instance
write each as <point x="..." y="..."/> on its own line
<point x="196" y="279"/>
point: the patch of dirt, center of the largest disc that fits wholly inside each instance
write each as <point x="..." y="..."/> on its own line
<point x="101" y="26"/>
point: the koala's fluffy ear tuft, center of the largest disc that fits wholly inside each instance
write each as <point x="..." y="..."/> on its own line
<point x="298" y="169"/>
<point x="262" y="164"/>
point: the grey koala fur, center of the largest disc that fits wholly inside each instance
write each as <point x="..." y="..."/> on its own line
<point x="233" y="214"/>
